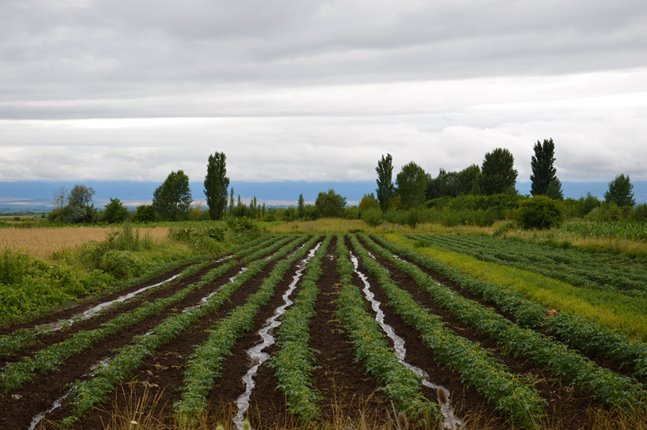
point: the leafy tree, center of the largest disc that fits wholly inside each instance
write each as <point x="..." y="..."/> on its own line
<point x="621" y="192"/>
<point x="231" y="201"/>
<point x="144" y="213"/>
<point x="444" y="185"/>
<point x="330" y="204"/>
<point x="215" y="185"/>
<point x="115" y="212"/>
<point x="368" y="202"/>
<point x="540" y="212"/>
<point x="301" y="207"/>
<point x="468" y="180"/>
<point x="498" y="175"/>
<point x="79" y="207"/>
<point x="172" y="200"/>
<point x="412" y="184"/>
<point x="544" y="179"/>
<point x="385" y="189"/>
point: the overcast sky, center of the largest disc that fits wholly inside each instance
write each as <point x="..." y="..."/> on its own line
<point x="318" y="90"/>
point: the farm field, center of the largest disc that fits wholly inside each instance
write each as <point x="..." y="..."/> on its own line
<point x="42" y="242"/>
<point x="339" y="330"/>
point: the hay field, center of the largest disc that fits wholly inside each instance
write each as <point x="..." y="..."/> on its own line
<point x="41" y="242"/>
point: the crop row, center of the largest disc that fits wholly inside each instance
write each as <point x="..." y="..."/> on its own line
<point x="400" y="384"/>
<point x="87" y="394"/>
<point x="576" y="332"/>
<point x="293" y="361"/>
<point x="14" y="375"/>
<point x="580" y="268"/>
<point x="25" y="337"/>
<point x="564" y="364"/>
<point x="477" y="368"/>
<point x="205" y="363"/>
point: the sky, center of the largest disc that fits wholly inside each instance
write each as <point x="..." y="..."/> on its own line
<point x="318" y="90"/>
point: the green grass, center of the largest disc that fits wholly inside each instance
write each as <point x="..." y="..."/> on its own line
<point x="609" y="309"/>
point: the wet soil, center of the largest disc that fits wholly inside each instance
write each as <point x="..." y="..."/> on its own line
<point x="564" y="405"/>
<point x="18" y="408"/>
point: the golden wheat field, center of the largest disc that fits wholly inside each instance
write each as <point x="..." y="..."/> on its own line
<point x="42" y="242"/>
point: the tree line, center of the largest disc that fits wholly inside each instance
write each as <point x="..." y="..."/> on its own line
<point x="411" y="188"/>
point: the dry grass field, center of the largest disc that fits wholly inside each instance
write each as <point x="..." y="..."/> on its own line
<point x="42" y="242"/>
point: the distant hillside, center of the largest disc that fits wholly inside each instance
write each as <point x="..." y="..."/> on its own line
<point x="37" y="196"/>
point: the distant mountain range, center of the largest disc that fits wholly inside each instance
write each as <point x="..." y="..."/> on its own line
<point x="37" y="196"/>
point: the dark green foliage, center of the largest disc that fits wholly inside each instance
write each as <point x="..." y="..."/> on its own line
<point x="543" y="177"/>
<point x="621" y="191"/>
<point x="145" y="213"/>
<point x="639" y="213"/>
<point x="172" y="200"/>
<point x="468" y="180"/>
<point x="498" y="175"/>
<point x="368" y="202"/>
<point x="215" y="185"/>
<point x="452" y="184"/>
<point x="330" y="204"/>
<point x="301" y="207"/>
<point x="385" y="189"/>
<point x="372" y="217"/>
<point x="412" y="185"/>
<point x="79" y="207"/>
<point x="115" y="212"/>
<point x="541" y="213"/>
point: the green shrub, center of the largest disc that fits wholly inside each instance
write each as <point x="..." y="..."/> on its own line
<point x="372" y="217"/>
<point x="540" y="212"/>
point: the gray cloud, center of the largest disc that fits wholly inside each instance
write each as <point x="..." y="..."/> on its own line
<point x="318" y="89"/>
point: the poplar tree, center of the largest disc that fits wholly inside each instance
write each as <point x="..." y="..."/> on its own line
<point x="215" y="185"/>
<point x="544" y="179"/>
<point x="385" y="188"/>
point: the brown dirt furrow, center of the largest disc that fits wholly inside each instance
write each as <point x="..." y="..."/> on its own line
<point x="87" y="302"/>
<point x="226" y="390"/>
<point x="442" y="279"/>
<point x="347" y="390"/>
<point x="164" y="291"/>
<point x="161" y="376"/>
<point x="564" y="406"/>
<point x="39" y="394"/>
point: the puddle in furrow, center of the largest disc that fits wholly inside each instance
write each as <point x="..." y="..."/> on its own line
<point x="59" y="402"/>
<point x="370" y="254"/>
<point x="256" y="353"/>
<point x="86" y="315"/>
<point x="450" y="421"/>
<point x="206" y="298"/>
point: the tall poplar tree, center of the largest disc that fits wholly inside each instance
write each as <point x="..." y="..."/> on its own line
<point x="544" y="179"/>
<point x="215" y="185"/>
<point x="385" y="188"/>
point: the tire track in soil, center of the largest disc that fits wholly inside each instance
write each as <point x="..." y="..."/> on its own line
<point x="162" y="291"/>
<point x="344" y="386"/>
<point x="163" y="373"/>
<point x="18" y="407"/>
<point x="564" y="406"/>
<point x="222" y="398"/>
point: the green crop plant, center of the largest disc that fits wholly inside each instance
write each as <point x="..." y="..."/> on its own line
<point x="205" y="363"/>
<point x="577" y="332"/>
<point x="372" y="349"/>
<point x="477" y="368"/>
<point x="293" y="361"/>
<point x="566" y="365"/>
<point x="88" y="394"/>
